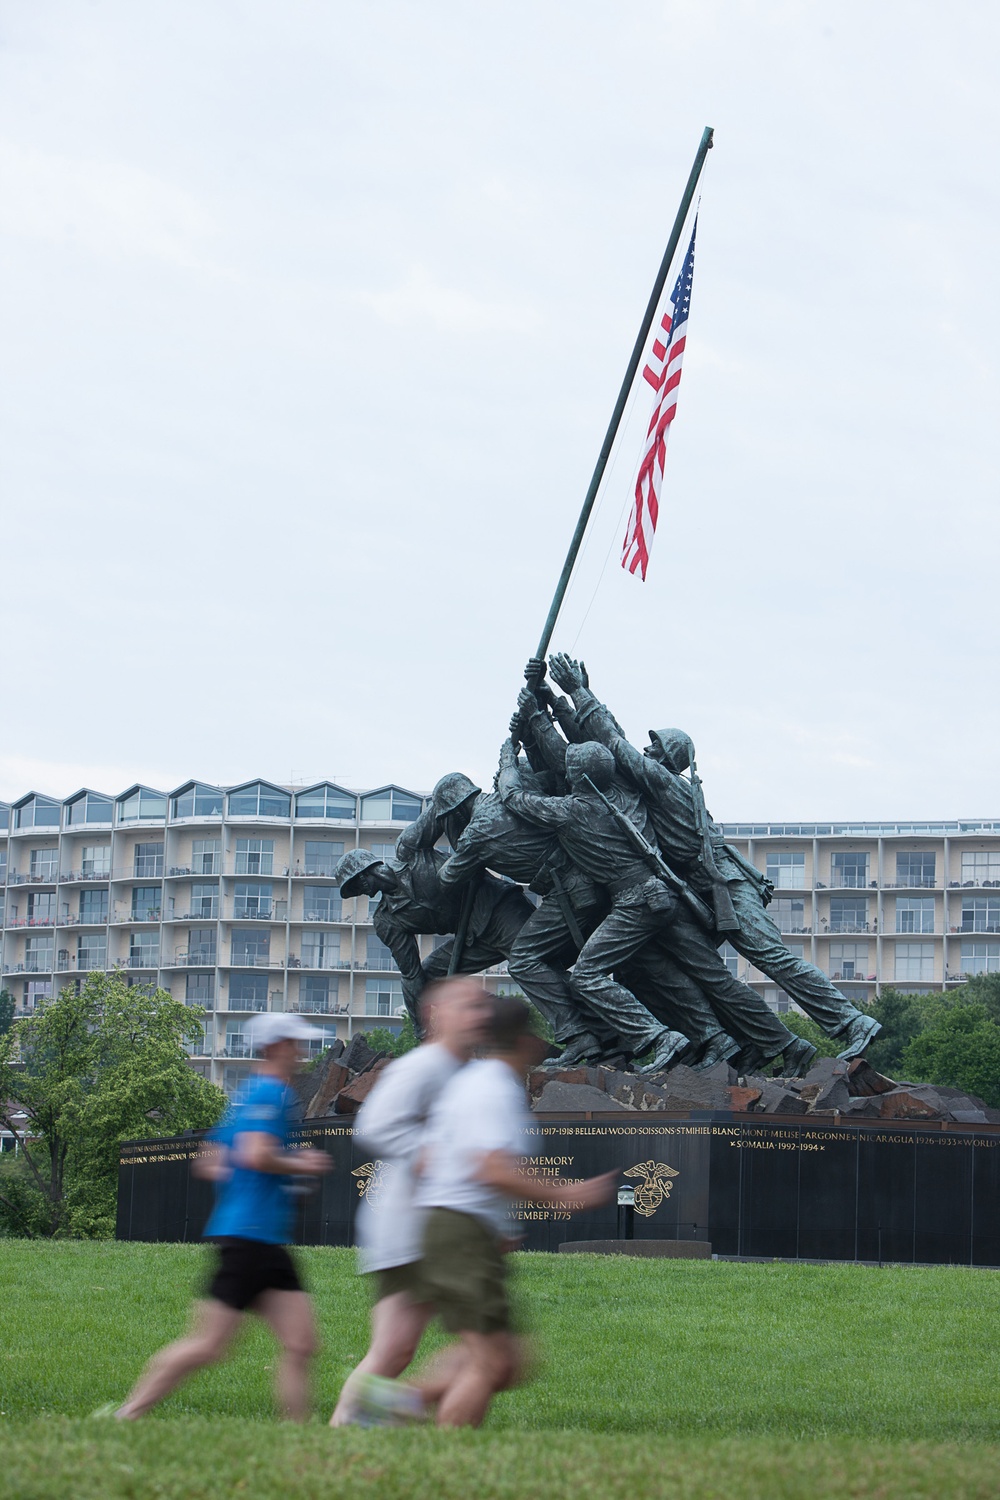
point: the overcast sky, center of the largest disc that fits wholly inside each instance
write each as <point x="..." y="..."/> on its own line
<point x="313" y="315"/>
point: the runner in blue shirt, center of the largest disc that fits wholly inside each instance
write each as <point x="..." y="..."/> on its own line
<point x="248" y="1159"/>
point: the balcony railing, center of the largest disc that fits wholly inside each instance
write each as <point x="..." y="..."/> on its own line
<point x="237" y="1049"/>
<point x="30" y="966"/>
<point x="254" y="961"/>
<point x="319" y="961"/>
<point x="925" y="884"/>
<point x="851" y="880"/>
<point x="981" y="926"/>
<point x="85" y="919"/>
<point x="847" y="924"/>
<point x="322" y="916"/>
<point x="87" y="962"/>
<point x="787" y="929"/>
<point x="149" y="959"/>
<point x="69" y="877"/>
<point x="35" y="877"/>
<point x="211" y="915"/>
<point x="200" y="958"/>
<point x="976" y="884"/>
<point x="31" y="922"/>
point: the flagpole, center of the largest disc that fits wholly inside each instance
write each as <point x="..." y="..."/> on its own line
<point x="623" y="394"/>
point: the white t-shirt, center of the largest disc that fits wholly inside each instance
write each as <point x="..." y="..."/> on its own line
<point x="390" y="1125"/>
<point x="482" y="1109"/>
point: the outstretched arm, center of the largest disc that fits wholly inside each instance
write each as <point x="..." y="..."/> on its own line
<point x="547" y="812"/>
<point x="423" y="833"/>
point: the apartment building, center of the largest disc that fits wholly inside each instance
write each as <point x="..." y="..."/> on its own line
<point x="225" y="897"/>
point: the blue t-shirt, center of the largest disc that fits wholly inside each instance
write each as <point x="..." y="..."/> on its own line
<point x="253" y="1205"/>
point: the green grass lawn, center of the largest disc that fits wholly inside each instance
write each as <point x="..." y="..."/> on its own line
<point x="658" y="1377"/>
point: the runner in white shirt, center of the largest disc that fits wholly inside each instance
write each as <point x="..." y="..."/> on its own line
<point x="455" y="1014"/>
<point x="478" y="1134"/>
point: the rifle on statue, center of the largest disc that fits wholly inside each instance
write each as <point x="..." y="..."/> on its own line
<point x="726" y="919"/>
<point x="654" y="859"/>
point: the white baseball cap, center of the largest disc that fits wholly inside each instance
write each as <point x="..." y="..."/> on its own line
<point x="275" y="1026"/>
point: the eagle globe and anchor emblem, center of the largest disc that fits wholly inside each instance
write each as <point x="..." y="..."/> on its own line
<point x="372" y="1177"/>
<point x="654" y="1189"/>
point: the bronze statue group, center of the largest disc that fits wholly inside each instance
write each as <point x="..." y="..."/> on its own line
<point x="593" y="869"/>
<point x="634" y="890"/>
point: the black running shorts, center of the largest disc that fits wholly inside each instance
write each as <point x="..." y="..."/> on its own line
<point x="246" y="1268"/>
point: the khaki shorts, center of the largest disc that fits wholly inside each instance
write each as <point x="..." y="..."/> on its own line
<point x="464" y="1273"/>
<point x="392" y="1279"/>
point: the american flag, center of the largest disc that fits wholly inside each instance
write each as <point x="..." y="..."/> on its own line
<point x="664" y="374"/>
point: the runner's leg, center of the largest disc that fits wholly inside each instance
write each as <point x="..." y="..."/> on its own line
<point x="289" y="1315"/>
<point x="213" y="1326"/>
<point x="398" y="1325"/>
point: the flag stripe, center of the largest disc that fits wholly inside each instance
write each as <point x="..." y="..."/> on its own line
<point x="663" y="373"/>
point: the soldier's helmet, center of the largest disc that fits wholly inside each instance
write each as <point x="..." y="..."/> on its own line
<point x="676" y="747"/>
<point x="593" y="760"/>
<point x="352" y="864"/>
<point x="451" y="791"/>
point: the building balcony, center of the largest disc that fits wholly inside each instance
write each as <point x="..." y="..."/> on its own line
<point x="84" y="919"/>
<point x="129" y="918"/>
<point x="971" y="928"/>
<point x="207" y="867"/>
<point x="312" y="872"/>
<point x="185" y="958"/>
<point x="964" y="885"/>
<point x="793" y="931"/>
<point x="845" y="925"/>
<point x="42" y="877"/>
<point x="318" y="916"/>
<point x="212" y="915"/>
<point x="29" y="966"/>
<point x="148" y="960"/>
<point x="911" y="885"/>
<point x="30" y="922"/>
<point x="311" y="961"/>
<point x="98" y="876"/>
<point x="253" y="961"/>
<point x="842" y="880"/>
<point x="320" y="1008"/>
<point x="237" y="1049"/>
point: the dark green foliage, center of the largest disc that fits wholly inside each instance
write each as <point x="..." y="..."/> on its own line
<point x="901" y="1022"/>
<point x="6" y="1011"/>
<point x="99" y="1067"/>
<point x="961" y="1049"/>
<point x="392" y="1043"/>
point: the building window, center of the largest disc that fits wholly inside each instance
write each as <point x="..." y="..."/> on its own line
<point x="36" y="990"/>
<point x="146" y="902"/>
<point x="200" y="990"/>
<point x="848" y="960"/>
<point x="248" y="992"/>
<point x="383" y="997"/>
<point x="320" y="950"/>
<point x="251" y="946"/>
<point x="238" y="1039"/>
<point x="95" y="861"/>
<point x="201" y="945"/>
<point x="325" y="802"/>
<point x="914" y="961"/>
<point x="848" y="914"/>
<point x="391" y="805"/>
<point x="915" y="868"/>
<point x="849" y="871"/>
<point x="786" y="869"/>
<point x="3" y="864"/>
<point x="41" y="908"/>
<point x="206" y="856"/>
<point x="197" y="802"/>
<point x="259" y="801"/>
<point x="205" y="899"/>
<point x="236" y="1084"/>
<point x="148" y="860"/>
<point x="255" y="856"/>
<point x="43" y="864"/>
<point x="92" y="951"/>
<point x="727" y="953"/>
<point x="981" y="867"/>
<point x="252" y="900"/>
<point x="37" y="812"/>
<point x="90" y="808"/>
<point x="94" y="907"/>
<point x="914" y="913"/>
<point x="321" y="856"/>
<point x="788" y="914"/>
<point x="142" y="803"/>
<point x="379" y="956"/>
<point x="382" y="851"/>
<point x="321" y="903"/>
<point x="325" y="1037"/>
<point x="981" y="913"/>
<point x="38" y="953"/>
<point x="144" y="950"/>
<point x="318" y="994"/>
<point x="981" y="958"/>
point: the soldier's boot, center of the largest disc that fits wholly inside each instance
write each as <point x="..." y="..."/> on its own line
<point x="667" y="1050"/>
<point x="798" y="1057"/>
<point x="753" y="1061"/>
<point x="719" y="1048"/>
<point x="579" y="1050"/>
<point x="857" y="1035"/>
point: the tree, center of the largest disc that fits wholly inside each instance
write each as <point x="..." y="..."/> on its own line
<point x="961" y="1050"/>
<point x="392" y="1043"/>
<point x="6" y="1011"/>
<point x="901" y="1021"/>
<point x="96" y="1067"/>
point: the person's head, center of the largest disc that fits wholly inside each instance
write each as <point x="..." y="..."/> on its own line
<point x="671" y="748"/>
<point x="511" y="1037"/>
<point x="454" y="800"/>
<point x="456" y="1012"/>
<point x="278" y="1041"/>
<point x="361" y="873"/>
<point x="591" y="761"/>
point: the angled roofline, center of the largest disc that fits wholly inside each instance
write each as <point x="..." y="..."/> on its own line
<point x="255" y="781"/>
<point x="88" y="791"/>
<point x="28" y="796"/>
<point x="392" y="786"/>
<point x="193" y="782"/>
<point x="140" y="786"/>
<point x="302" y="790"/>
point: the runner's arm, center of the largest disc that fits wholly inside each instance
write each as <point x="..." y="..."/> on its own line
<point x="263" y="1153"/>
<point x="499" y="1169"/>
